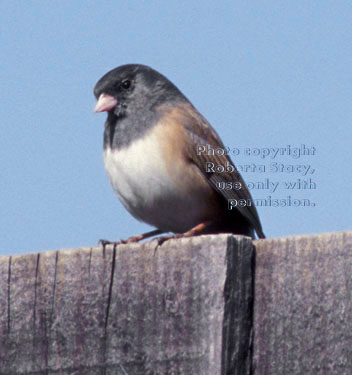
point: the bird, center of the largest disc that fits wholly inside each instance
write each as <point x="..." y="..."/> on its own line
<point x="164" y="160"/>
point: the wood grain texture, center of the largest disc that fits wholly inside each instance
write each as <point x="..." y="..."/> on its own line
<point x="303" y="305"/>
<point x="184" y="309"/>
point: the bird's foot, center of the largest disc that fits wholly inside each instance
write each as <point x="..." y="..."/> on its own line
<point x="195" y="231"/>
<point x="162" y="239"/>
<point x="132" y="239"/>
<point x="107" y="242"/>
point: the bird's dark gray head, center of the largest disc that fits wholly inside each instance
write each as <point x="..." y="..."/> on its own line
<point x="135" y="86"/>
<point x="132" y="95"/>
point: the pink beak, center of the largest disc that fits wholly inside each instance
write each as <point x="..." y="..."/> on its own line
<point x="105" y="103"/>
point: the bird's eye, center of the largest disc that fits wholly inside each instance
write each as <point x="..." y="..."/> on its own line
<point x="126" y="84"/>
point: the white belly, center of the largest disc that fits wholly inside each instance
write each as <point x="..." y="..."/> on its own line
<point x="139" y="176"/>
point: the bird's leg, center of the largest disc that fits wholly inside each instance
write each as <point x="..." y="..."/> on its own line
<point x="195" y="231"/>
<point x="143" y="236"/>
<point x="132" y="239"/>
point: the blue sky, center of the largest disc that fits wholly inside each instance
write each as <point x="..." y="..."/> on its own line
<point x="264" y="74"/>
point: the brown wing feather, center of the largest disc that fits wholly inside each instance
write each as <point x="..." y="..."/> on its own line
<point x="202" y="133"/>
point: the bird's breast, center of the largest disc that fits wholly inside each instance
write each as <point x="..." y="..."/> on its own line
<point x="155" y="183"/>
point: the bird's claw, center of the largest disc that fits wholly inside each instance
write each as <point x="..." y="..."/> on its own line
<point x="107" y="242"/>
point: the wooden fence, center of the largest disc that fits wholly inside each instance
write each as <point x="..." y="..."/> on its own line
<point x="201" y="306"/>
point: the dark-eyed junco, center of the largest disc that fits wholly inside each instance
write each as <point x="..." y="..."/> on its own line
<point x="164" y="159"/>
